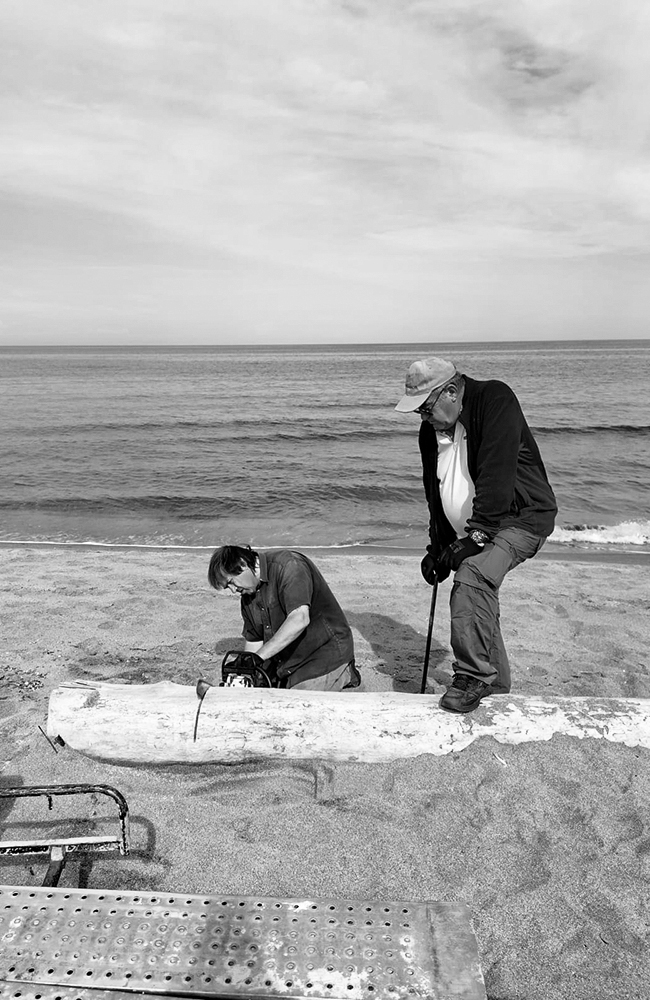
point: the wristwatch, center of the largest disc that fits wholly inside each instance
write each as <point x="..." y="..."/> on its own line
<point x="479" y="536"/>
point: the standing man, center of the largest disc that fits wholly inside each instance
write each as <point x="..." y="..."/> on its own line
<point x="491" y="507"/>
<point x="292" y="620"/>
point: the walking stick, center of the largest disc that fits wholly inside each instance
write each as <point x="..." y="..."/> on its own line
<point x="425" y="670"/>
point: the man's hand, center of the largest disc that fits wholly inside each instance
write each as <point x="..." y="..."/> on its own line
<point x="428" y="566"/>
<point x="454" y="554"/>
<point x="243" y="668"/>
<point x="251" y="661"/>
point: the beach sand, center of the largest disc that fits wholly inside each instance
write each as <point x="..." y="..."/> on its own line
<point x="548" y="843"/>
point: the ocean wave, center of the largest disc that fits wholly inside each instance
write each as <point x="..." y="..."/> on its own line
<point x="348" y="425"/>
<point x="274" y="499"/>
<point x="629" y="430"/>
<point x="625" y="533"/>
<point x="208" y="433"/>
<point x="222" y="423"/>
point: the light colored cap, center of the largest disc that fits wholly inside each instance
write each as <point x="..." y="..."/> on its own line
<point x="421" y="379"/>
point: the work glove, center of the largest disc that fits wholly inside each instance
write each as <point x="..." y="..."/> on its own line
<point x="237" y="662"/>
<point x="251" y="660"/>
<point x="269" y="667"/>
<point x="428" y="566"/>
<point x="454" y="554"/>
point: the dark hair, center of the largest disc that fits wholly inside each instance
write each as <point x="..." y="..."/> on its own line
<point x="228" y="560"/>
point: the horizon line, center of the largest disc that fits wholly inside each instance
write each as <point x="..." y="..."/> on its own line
<point x="318" y="344"/>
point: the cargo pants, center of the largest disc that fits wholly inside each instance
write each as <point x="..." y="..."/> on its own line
<point x="476" y="638"/>
<point x="345" y="676"/>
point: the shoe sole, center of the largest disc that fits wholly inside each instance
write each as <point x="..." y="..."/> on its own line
<point x="355" y="682"/>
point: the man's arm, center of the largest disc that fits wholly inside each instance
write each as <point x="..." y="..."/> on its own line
<point x="429" y="455"/>
<point x="292" y="626"/>
<point x="498" y="454"/>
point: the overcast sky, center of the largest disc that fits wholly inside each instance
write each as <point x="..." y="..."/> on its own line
<point x="216" y="171"/>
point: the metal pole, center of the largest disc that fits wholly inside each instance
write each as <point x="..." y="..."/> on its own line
<point x="425" y="670"/>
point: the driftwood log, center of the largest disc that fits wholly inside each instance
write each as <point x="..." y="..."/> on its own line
<point x="155" y="723"/>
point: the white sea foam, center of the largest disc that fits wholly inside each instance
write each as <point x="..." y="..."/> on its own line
<point x="626" y="533"/>
<point x="621" y="536"/>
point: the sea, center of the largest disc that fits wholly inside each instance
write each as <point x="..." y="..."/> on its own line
<point x="299" y="445"/>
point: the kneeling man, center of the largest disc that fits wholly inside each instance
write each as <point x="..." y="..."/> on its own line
<point x="292" y="620"/>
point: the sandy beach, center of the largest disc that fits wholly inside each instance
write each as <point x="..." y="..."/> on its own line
<point x="548" y="843"/>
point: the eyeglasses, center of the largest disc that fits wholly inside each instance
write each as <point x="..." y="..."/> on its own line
<point x="427" y="408"/>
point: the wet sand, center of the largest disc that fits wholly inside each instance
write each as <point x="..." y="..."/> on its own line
<point x="548" y="843"/>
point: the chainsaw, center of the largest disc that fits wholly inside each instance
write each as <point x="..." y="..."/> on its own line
<point x="238" y="669"/>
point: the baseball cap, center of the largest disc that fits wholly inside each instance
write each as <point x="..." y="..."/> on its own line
<point x="421" y="379"/>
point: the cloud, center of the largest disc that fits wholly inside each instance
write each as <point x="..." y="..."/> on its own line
<point x="354" y="139"/>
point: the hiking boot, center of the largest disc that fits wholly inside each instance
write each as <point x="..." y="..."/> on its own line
<point x="465" y="694"/>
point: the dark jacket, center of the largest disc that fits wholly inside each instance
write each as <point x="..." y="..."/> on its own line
<point x="509" y="477"/>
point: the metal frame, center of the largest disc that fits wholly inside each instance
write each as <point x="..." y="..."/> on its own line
<point x="58" y="848"/>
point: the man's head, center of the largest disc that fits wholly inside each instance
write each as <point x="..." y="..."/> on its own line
<point x="434" y="390"/>
<point x="232" y="567"/>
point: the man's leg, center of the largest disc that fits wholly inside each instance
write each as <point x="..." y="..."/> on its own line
<point x="476" y="637"/>
<point x="501" y="663"/>
<point x="345" y="676"/>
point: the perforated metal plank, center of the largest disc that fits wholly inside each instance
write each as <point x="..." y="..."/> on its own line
<point x="34" y="991"/>
<point x="234" y="946"/>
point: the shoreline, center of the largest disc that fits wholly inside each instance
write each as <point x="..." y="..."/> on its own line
<point x="551" y="551"/>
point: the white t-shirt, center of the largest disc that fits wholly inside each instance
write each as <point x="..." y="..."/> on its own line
<point x="456" y="486"/>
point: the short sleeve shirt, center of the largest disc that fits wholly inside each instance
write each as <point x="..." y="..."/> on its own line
<point x="290" y="580"/>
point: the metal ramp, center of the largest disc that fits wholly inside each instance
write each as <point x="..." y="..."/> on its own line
<point x="88" y="944"/>
<point x="81" y="944"/>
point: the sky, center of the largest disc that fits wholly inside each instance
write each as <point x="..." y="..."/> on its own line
<point x="305" y="171"/>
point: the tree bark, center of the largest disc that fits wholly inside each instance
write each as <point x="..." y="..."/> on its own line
<point x="154" y="723"/>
